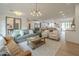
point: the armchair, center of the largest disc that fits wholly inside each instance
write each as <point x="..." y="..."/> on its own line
<point x="54" y="34"/>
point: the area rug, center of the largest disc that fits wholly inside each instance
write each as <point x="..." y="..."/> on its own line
<point x="50" y="48"/>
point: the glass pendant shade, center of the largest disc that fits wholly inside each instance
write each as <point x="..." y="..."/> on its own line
<point x="36" y="12"/>
<point x="73" y="24"/>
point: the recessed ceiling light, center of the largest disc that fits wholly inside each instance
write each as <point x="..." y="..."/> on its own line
<point x="63" y="14"/>
<point x="17" y="13"/>
<point x="60" y="11"/>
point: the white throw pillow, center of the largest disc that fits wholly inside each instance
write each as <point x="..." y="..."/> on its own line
<point x="30" y="31"/>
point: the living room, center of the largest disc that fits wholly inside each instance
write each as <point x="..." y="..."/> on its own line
<point x="38" y="29"/>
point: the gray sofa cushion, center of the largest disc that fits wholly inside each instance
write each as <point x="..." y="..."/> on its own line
<point x="26" y="32"/>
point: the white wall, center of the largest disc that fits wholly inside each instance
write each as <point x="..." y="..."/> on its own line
<point x="73" y="36"/>
<point x="2" y="25"/>
<point x="2" y="30"/>
<point x="24" y="23"/>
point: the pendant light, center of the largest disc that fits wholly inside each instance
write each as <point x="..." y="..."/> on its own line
<point x="36" y="11"/>
<point x="73" y="24"/>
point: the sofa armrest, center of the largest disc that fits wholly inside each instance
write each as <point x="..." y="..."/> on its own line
<point x="28" y="53"/>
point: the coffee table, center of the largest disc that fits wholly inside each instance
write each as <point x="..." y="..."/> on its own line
<point x="35" y="42"/>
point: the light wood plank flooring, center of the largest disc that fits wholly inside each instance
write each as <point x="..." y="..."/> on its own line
<point x="68" y="49"/>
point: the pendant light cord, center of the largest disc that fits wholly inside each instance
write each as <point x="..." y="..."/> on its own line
<point x="36" y="5"/>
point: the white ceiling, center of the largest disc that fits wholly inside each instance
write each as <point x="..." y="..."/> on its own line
<point x="49" y="10"/>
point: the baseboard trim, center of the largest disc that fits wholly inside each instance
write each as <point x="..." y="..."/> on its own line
<point x="72" y="42"/>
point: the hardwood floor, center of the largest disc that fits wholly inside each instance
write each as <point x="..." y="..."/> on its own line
<point x="68" y="49"/>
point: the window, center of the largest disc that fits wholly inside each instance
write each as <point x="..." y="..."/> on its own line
<point x="51" y="25"/>
<point x="66" y="25"/>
